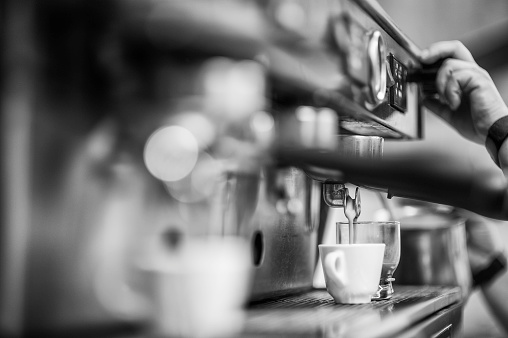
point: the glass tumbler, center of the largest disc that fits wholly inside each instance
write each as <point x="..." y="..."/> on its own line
<point x="377" y="232"/>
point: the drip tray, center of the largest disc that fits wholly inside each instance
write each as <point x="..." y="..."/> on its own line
<point x="315" y="314"/>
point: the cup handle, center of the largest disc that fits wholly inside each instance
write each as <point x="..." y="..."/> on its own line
<point x="335" y="264"/>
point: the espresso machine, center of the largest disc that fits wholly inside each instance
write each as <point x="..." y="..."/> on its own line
<point x="129" y="119"/>
<point x="331" y="83"/>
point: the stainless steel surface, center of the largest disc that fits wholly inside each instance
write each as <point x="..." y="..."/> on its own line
<point x="447" y="323"/>
<point x="349" y="147"/>
<point x="374" y="9"/>
<point x="358" y="146"/>
<point x="315" y="314"/>
<point x="376" y="50"/>
<point x="434" y="251"/>
<point x="369" y="17"/>
<point x="278" y="212"/>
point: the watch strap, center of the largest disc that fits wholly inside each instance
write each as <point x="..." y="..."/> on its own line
<point x="497" y="134"/>
<point x="496" y="266"/>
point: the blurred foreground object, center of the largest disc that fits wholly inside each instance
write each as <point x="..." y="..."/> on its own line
<point x="200" y="288"/>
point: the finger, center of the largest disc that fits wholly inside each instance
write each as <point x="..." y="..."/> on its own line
<point x="452" y="91"/>
<point x="442" y="79"/>
<point x="447" y="75"/>
<point x="446" y="49"/>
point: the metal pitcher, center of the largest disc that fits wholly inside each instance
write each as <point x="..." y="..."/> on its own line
<point x="434" y="250"/>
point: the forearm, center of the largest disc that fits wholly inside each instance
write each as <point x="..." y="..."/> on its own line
<point x="496" y="295"/>
<point x="496" y="291"/>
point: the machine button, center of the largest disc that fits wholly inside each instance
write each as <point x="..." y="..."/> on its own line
<point x="398" y="99"/>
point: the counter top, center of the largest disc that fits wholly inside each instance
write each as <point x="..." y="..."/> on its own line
<point x="315" y="314"/>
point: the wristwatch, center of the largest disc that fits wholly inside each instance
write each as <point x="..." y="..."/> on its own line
<point x="496" y="266"/>
<point x="497" y="134"/>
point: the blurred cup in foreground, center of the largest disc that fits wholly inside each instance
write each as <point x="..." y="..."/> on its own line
<point x="352" y="271"/>
<point x="201" y="289"/>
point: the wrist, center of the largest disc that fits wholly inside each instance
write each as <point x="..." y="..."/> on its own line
<point x="491" y="271"/>
<point x="496" y="136"/>
<point x="495" y="115"/>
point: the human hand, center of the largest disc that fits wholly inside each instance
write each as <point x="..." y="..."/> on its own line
<point x="468" y="98"/>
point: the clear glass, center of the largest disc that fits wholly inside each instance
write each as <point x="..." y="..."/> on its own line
<point x="377" y="232"/>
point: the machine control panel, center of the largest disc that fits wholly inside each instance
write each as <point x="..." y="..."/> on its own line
<point x="377" y="59"/>
<point x="398" y="93"/>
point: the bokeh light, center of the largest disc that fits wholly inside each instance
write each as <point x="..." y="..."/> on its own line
<point x="171" y="153"/>
<point x="305" y="114"/>
<point x="262" y="122"/>
<point x="234" y="89"/>
<point x="199" y="125"/>
<point x="200" y="184"/>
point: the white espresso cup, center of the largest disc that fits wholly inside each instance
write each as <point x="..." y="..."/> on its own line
<point x="352" y="271"/>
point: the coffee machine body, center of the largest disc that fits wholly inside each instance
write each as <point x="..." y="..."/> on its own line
<point x="82" y="198"/>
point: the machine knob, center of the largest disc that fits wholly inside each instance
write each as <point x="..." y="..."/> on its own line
<point x="376" y="56"/>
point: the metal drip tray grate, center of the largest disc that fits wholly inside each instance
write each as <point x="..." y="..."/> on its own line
<point x="316" y="314"/>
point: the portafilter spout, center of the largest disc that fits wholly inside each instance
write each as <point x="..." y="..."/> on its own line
<point x="335" y="193"/>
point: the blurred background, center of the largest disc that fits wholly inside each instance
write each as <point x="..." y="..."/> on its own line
<point x="94" y="101"/>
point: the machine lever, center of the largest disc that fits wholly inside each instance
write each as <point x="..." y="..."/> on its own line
<point x="426" y="76"/>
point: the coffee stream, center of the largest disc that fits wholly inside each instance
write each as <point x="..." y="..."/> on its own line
<point x="352" y="210"/>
